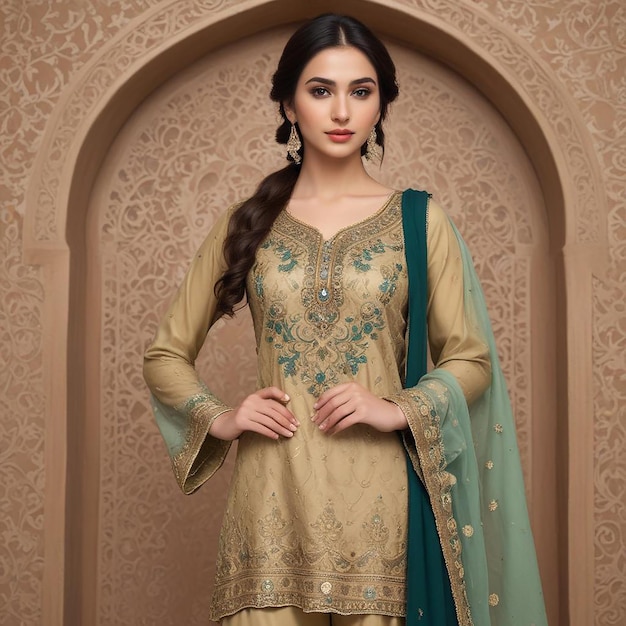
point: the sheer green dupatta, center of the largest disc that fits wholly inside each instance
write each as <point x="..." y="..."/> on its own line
<point x="469" y="464"/>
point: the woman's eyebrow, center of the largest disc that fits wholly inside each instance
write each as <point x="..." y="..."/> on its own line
<point x="332" y="83"/>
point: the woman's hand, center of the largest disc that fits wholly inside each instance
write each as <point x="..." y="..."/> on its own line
<point x="262" y="412"/>
<point x="351" y="403"/>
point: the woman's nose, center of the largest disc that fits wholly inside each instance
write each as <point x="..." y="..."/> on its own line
<point x="340" y="112"/>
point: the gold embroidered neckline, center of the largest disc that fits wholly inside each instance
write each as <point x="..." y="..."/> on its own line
<point x="322" y="285"/>
<point x="344" y="229"/>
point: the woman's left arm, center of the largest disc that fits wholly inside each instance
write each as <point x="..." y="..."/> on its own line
<point x="456" y="344"/>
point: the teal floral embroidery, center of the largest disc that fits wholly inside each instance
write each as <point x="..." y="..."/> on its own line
<point x="360" y="331"/>
<point x="258" y="285"/>
<point x="388" y="286"/>
<point x="289" y="363"/>
<point x="283" y="252"/>
<point x="321" y="381"/>
<point x="290" y="262"/>
<point x="288" y="258"/>
<point x="354" y="361"/>
<point x="280" y="333"/>
<point x="319" y="317"/>
<point x="361" y="262"/>
<point x="282" y="329"/>
<point x="365" y="328"/>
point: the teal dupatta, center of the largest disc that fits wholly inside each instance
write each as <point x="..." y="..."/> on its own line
<point x="472" y="466"/>
<point x="429" y="598"/>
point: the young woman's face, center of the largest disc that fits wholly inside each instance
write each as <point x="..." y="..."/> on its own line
<point x="336" y="103"/>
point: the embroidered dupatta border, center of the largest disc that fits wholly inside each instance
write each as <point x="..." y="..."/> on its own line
<point x="428" y="451"/>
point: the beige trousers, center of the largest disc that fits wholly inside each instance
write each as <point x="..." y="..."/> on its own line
<point x="293" y="616"/>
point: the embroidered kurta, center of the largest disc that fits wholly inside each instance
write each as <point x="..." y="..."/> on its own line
<point x="315" y="521"/>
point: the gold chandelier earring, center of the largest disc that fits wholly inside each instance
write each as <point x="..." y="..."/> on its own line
<point x="294" y="145"/>
<point x="372" y="149"/>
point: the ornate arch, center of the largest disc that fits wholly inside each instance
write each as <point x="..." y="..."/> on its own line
<point x="173" y="34"/>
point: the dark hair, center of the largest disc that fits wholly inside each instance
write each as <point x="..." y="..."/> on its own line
<point x="253" y="219"/>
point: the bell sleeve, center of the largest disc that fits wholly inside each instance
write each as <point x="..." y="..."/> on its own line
<point x="183" y="405"/>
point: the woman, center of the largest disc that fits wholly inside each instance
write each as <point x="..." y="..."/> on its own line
<point x="326" y="521"/>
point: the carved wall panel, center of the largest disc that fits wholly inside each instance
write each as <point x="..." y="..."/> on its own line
<point x="21" y="429"/>
<point x="585" y="45"/>
<point x="42" y="45"/>
<point x="199" y="144"/>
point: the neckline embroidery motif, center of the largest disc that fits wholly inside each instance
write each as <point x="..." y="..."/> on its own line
<point x="322" y="293"/>
<point x="329" y="240"/>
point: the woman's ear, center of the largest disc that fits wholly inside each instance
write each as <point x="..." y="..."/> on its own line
<point x="289" y="112"/>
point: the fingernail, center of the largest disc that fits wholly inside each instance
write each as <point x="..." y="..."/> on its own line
<point x="315" y="406"/>
<point x="293" y="427"/>
<point x="322" y="426"/>
<point x="286" y="398"/>
<point x="313" y="416"/>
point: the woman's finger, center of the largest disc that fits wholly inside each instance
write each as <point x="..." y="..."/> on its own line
<point x="257" y="421"/>
<point x="337" y="415"/>
<point x="264" y="430"/>
<point x="273" y="393"/>
<point x="286" y="421"/>
<point x="329" y="394"/>
<point x="331" y="404"/>
<point x="286" y="430"/>
<point x="346" y="422"/>
<point x="276" y="398"/>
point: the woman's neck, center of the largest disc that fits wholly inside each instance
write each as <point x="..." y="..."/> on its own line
<point x="329" y="179"/>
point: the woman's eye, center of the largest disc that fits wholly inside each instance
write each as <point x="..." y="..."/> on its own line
<point x="319" y="91"/>
<point x="361" y="93"/>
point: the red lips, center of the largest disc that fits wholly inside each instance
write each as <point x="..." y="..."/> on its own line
<point x="340" y="135"/>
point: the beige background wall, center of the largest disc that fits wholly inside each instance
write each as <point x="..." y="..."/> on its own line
<point x="48" y="48"/>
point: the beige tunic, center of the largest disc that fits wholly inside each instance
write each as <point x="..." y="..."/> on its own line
<point x="315" y="521"/>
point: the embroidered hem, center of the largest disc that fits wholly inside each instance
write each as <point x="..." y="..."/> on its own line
<point x="345" y="595"/>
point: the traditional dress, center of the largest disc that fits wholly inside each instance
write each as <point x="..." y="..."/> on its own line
<point x="317" y="521"/>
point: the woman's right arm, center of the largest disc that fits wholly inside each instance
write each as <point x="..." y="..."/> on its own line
<point x="196" y="425"/>
<point x="183" y="406"/>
